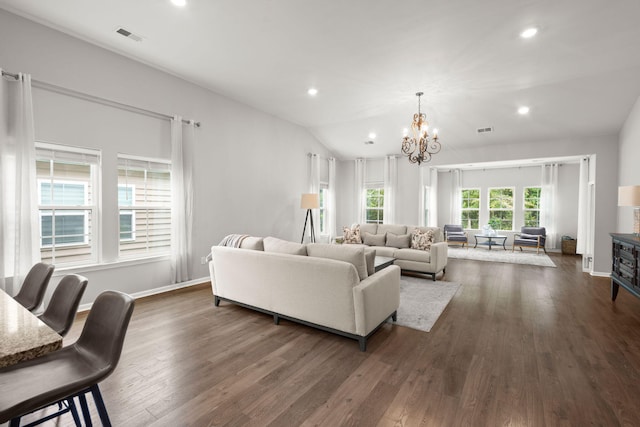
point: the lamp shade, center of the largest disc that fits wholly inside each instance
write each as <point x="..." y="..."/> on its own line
<point x="310" y="201"/>
<point x="629" y="195"/>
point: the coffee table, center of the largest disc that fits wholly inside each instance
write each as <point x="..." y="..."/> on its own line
<point x="496" y="239"/>
<point x="382" y="262"/>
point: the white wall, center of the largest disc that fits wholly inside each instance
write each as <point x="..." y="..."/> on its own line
<point x="243" y="184"/>
<point x="605" y="148"/>
<point x="628" y="172"/>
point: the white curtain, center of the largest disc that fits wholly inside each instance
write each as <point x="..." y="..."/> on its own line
<point x="390" y="189"/>
<point x="456" y="196"/>
<point x="360" y="166"/>
<point x="313" y="186"/>
<point x="583" y="207"/>
<point x="331" y="200"/>
<point x="18" y="192"/>
<point x="548" y="203"/>
<point x="181" y="200"/>
<point x="433" y="198"/>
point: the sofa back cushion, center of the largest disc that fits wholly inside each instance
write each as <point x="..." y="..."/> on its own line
<point x="352" y="254"/>
<point x="373" y="239"/>
<point x="391" y="228"/>
<point x="255" y="243"/>
<point x="273" y="244"/>
<point x="368" y="228"/>
<point x="398" y="241"/>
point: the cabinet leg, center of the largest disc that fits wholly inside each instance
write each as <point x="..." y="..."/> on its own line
<point x="614" y="290"/>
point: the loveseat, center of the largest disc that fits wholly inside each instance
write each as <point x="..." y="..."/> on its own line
<point x="331" y="287"/>
<point x="395" y="241"/>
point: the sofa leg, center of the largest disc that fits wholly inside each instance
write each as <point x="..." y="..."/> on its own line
<point x="444" y="270"/>
<point x="363" y="343"/>
<point x="276" y="319"/>
<point x="216" y="301"/>
<point x="433" y="276"/>
<point x="394" y="316"/>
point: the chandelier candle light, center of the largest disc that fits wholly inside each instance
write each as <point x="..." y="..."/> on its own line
<point x="420" y="147"/>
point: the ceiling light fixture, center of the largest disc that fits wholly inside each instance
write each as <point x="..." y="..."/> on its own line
<point x="528" y="33"/>
<point x="523" y="110"/>
<point x="312" y="91"/>
<point x="179" y="3"/>
<point x="420" y="140"/>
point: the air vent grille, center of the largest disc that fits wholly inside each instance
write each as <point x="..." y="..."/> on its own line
<point x="484" y="130"/>
<point x="368" y="143"/>
<point x="128" y="34"/>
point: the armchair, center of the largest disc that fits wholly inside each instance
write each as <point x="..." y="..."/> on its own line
<point x="532" y="237"/>
<point x="455" y="234"/>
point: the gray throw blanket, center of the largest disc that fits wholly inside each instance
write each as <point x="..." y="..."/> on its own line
<point x="232" y="241"/>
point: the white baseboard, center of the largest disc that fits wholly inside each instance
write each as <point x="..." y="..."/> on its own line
<point x="156" y="291"/>
<point x="600" y="274"/>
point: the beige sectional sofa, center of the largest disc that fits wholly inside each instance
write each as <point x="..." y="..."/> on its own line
<point x="331" y="287"/>
<point x="395" y="241"/>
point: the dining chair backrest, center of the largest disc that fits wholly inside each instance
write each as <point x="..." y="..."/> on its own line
<point x="105" y="328"/>
<point x="34" y="286"/>
<point x="62" y="309"/>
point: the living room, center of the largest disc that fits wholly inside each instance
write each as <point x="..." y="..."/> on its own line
<point x="250" y="166"/>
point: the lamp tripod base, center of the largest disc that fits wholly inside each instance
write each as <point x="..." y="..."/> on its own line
<point x="309" y="218"/>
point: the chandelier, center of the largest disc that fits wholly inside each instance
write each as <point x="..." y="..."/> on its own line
<point x="420" y="147"/>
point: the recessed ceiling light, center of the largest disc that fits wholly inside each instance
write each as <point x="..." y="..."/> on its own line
<point x="372" y="135"/>
<point x="529" y="32"/>
<point x="523" y="110"/>
<point x="180" y="3"/>
<point x="312" y="91"/>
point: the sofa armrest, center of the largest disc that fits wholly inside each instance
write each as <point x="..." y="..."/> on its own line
<point x="376" y="298"/>
<point x="439" y="254"/>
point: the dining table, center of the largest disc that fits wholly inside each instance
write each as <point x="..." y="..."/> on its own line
<point x="22" y="335"/>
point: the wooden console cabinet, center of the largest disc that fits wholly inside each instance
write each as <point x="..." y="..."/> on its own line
<point x="625" y="266"/>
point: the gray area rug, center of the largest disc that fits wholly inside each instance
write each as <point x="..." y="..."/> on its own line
<point x="422" y="301"/>
<point x="500" y="255"/>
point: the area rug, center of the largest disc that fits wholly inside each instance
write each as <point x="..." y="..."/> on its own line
<point x="422" y="301"/>
<point x="500" y="255"/>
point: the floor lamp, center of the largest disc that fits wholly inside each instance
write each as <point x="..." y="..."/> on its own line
<point x="309" y="201"/>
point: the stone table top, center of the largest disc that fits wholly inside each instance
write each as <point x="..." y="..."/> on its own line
<point x="22" y="335"/>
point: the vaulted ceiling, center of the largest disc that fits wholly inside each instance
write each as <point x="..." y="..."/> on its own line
<point x="580" y="75"/>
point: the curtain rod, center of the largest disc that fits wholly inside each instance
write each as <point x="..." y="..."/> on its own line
<point x="81" y="95"/>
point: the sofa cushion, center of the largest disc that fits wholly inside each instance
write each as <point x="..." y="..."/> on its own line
<point x="373" y="239"/>
<point x="351" y="235"/>
<point x="391" y="228"/>
<point x="398" y="241"/>
<point x="273" y="244"/>
<point x="368" y="228"/>
<point x="421" y="240"/>
<point x="529" y="236"/>
<point x="255" y="243"/>
<point x="384" y="251"/>
<point x="413" y="255"/>
<point x="370" y="258"/>
<point x="352" y="254"/>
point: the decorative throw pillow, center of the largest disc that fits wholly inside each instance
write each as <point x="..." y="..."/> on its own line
<point x="398" y="241"/>
<point x="374" y="239"/>
<point x="421" y="239"/>
<point x="351" y="235"/>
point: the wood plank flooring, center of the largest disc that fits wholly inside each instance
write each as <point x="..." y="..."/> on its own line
<point x="517" y="345"/>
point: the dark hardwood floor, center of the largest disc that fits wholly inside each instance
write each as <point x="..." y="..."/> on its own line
<point x="517" y="345"/>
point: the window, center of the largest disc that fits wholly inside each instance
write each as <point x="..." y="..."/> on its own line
<point x="66" y="180"/>
<point x="501" y="208"/>
<point x="470" y="208"/>
<point x="532" y="206"/>
<point x="144" y="204"/>
<point x="374" y="205"/>
<point x="427" y="201"/>
<point x="324" y="194"/>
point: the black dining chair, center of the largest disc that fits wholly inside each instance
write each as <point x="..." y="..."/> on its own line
<point x="63" y="306"/>
<point x="73" y="371"/>
<point x="34" y="286"/>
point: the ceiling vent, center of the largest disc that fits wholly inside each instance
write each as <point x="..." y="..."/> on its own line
<point x="481" y="131"/>
<point x="128" y="34"/>
<point x="368" y="143"/>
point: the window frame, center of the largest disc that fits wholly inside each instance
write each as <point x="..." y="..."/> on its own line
<point x="524" y="205"/>
<point x="379" y="187"/>
<point x="72" y="210"/>
<point x="323" y="195"/>
<point x="512" y="210"/>
<point x="468" y="225"/>
<point x="127" y="212"/>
